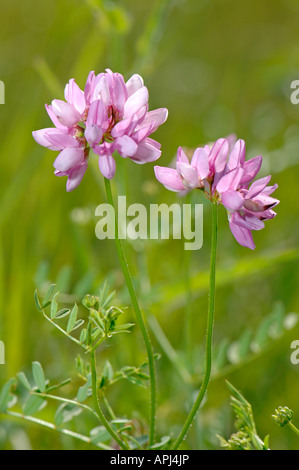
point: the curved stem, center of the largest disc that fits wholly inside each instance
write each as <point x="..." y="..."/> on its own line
<point x="294" y="428"/>
<point x="209" y="338"/>
<point x="113" y="416"/>
<point x="97" y="406"/>
<point x="139" y="317"/>
<point x="188" y="311"/>
<point x="65" y="400"/>
<point x="52" y="426"/>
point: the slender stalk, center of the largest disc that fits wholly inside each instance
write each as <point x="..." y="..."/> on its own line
<point x="294" y="428"/>
<point x="65" y="400"/>
<point x="188" y="311"/>
<point x="108" y="407"/>
<point x="97" y="406"/>
<point x="209" y="337"/>
<point x="113" y="416"/>
<point x="52" y="426"/>
<point x="139" y="317"/>
<point x="63" y="331"/>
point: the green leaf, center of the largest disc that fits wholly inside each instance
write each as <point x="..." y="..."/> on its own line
<point x="84" y="391"/>
<point x="33" y="404"/>
<point x="72" y="319"/>
<point x="80" y="366"/>
<point x="48" y="295"/>
<point x="54" y="306"/>
<point x="266" y="442"/>
<point x="96" y="333"/>
<point x="262" y="335"/>
<point x="63" y="279"/>
<point x="108" y="299"/>
<point x="125" y="326"/>
<point x="220" y="355"/>
<point x="64" y="312"/>
<point x="99" y="434"/>
<point x="108" y="371"/>
<point x="59" y="385"/>
<point x="37" y="302"/>
<point x="39" y="376"/>
<point x="237" y="394"/>
<point x="23" y="379"/>
<point x="143" y="376"/>
<point x="78" y="324"/>
<point x="66" y="412"/>
<point x="5" y="395"/>
<point x="244" y="344"/>
<point x="162" y="444"/>
<point x="121" y="421"/>
<point x="83" y="336"/>
<point x="107" y="374"/>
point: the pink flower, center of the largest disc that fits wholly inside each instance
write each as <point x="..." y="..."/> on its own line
<point x="206" y="165"/>
<point x="67" y="136"/>
<point x="224" y="176"/>
<point x="109" y="115"/>
<point x="118" y="120"/>
<point x="247" y="208"/>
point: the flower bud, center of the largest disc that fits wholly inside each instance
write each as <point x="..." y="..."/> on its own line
<point x="283" y="415"/>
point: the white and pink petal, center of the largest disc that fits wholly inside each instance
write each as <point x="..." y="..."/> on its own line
<point x="148" y="151"/>
<point x="107" y="166"/>
<point x="169" y="178"/>
<point x="69" y="159"/>
<point x="76" y="177"/>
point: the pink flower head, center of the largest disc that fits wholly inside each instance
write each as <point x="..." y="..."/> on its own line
<point x="109" y="115"/>
<point x="207" y="164"/>
<point x="119" y="120"/>
<point x="224" y="175"/>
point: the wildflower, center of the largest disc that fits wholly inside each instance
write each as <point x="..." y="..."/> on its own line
<point x="119" y="120"/>
<point x="282" y="416"/>
<point x="248" y="206"/>
<point x="206" y="165"/>
<point x="225" y="177"/>
<point x="67" y="136"/>
<point x="109" y="115"/>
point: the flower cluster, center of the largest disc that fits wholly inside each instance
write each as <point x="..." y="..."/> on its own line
<point x="224" y="175"/>
<point x="109" y="115"/>
<point x="112" y="116"/>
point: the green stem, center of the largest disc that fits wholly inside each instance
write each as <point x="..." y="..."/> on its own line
<point x="113" y="416"/>
<point x="96" y="403"/>
<point x="63" y="331"/>
<point x="209" y="338"/>
<point x="52" y="426"/>
<point x="139" y="317"/>
<point x="188" y="312"/>
<point x="294" y="428"/>
<point x="65" y="400"/>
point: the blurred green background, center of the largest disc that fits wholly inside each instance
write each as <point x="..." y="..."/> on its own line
<point x="220" y="68"/>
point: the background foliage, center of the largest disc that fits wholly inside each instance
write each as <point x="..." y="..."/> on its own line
<point x="219" y="67"/>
